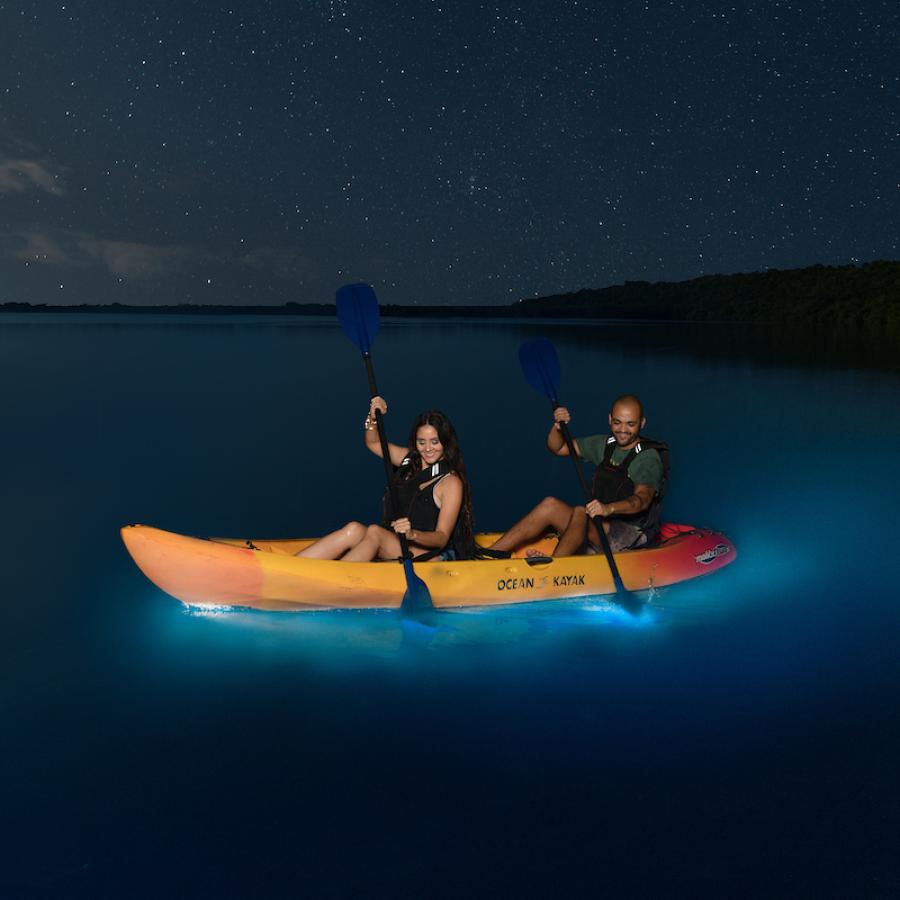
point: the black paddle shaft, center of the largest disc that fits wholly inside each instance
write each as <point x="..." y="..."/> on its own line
<point x="386" y="456"/>
<point x="597" y="520"/>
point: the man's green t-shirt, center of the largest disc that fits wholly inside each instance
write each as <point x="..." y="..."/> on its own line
<point x="645" y="468"/>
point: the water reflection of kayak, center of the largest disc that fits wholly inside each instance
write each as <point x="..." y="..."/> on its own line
<point x="265" y="574"/>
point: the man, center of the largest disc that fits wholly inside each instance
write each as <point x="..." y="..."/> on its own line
<point x="626" y="491"/>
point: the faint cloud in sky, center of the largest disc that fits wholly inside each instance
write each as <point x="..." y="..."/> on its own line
<point x="19" y="175"/>
<point x="41" y="248"/>
<point x="281" y="261"/>
<point x="128" y="259"/>
<point x="138" y="260"/>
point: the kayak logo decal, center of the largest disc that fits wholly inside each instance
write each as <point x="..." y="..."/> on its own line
<point x="513" y="584"/>
<point x="711" y="555"/>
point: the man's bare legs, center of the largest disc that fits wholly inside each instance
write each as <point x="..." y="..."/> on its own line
<point x="573" y="536"/>
<point x="569" y="522"/>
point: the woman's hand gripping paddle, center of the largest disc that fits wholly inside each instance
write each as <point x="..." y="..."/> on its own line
<point x="540" y="365"/>
<point x="357" y="311"/>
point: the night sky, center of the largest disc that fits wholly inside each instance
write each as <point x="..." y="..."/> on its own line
<point x="446" y="152"/>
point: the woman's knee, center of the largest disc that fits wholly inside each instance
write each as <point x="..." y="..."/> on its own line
<point x="354" y="532"/>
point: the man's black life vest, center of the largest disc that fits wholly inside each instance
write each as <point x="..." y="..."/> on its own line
<point x="611" y="483"/>
<point x="415" y="495"/>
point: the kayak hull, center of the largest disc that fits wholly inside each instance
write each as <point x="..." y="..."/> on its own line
<point x="225" y="572"/>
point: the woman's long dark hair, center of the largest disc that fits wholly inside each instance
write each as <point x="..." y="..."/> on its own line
<point x="452" y="456"/>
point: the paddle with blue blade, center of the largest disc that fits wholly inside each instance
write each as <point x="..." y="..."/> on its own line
<point x="540" y="365"/>
<point x="357" y="311"/>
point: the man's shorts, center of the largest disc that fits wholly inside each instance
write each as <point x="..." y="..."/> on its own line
<point x="622" y="536"/>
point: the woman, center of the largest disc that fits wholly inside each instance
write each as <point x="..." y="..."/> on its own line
<point x="433" y="493"/>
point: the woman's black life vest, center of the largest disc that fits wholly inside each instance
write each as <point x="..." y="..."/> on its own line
<point x="415" y="495"/>
<point x="611" y="483"/>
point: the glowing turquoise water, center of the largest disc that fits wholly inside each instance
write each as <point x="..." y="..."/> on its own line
<point x="739" y="738"/>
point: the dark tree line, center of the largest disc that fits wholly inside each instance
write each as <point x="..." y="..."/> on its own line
<point x="857" y="297"/>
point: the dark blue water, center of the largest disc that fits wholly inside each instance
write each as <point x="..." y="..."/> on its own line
<point x="739" y="738"/>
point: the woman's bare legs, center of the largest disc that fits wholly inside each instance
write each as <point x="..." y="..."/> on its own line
<point x="336" y="544"/>
<point x="357" y="543"/>
<point x="378" y="543"/>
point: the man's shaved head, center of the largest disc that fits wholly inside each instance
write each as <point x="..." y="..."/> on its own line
<point x="628" y="400"/>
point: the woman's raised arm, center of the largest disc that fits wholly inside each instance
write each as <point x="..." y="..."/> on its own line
<point x="373" y="442"/>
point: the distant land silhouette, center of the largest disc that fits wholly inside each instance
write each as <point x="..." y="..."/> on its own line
<point x="855" y="297"/>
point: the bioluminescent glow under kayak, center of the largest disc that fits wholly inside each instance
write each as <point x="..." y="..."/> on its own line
<point x="265" y="574"/>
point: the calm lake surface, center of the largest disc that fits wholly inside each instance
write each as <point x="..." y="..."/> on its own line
<point x="738" y="738"/>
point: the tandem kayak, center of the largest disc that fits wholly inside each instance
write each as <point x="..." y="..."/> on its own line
<point x="265" y="574"/>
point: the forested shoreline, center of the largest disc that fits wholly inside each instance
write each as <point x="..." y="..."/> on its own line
<point x="866" y="296"/>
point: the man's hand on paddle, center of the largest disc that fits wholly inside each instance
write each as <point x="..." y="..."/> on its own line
<point x="596" y="508"/>
<point x="556" y="442"/>
<point x="639" y="501"/>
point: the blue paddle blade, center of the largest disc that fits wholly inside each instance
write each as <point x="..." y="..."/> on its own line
<point x="357" y="312"/>
<point x="417" y="597"/>
<point x="540" y="365"/>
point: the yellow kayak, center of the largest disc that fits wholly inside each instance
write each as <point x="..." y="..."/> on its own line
<point x="265" y="574"/>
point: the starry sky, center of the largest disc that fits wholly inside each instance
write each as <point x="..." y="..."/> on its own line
<point x="445" y="151"/>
